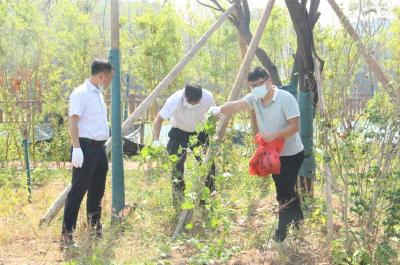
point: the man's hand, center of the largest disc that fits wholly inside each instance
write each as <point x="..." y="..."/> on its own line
<point x="214" y="111"/>
<point x="77" y="157"/>
<point x="269" y="137"/>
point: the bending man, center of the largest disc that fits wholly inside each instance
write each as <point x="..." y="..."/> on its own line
<point x="277" y="115"/>
<point x="185" y="109"/>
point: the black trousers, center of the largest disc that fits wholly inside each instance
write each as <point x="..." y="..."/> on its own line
<point x="91" y="177"/>
<point x="177" y="145"/>
<point x="286" y="194"/>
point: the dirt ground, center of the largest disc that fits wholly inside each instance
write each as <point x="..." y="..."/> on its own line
<point x="309" y="250"/>
<point x="23" y="242"/>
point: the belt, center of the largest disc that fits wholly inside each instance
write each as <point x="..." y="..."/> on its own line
<point x="91" y="141"/>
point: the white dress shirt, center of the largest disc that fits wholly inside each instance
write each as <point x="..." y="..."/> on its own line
<point x="185" y="118"/>
<point x="87" y="102"/>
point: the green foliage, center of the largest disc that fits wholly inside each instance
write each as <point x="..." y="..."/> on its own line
<point x="280" y="41"/>
<point x="41" y="176"/>
<point x="392" y="220"/>
<point x="159" y="156"/>
<point x="146" y="38"/>
<point x="10" y="178"/>
<point x="215" y="252"/>
<point x="361" y="151"/>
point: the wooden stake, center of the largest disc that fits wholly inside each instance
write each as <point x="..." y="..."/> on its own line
<point x="55" y="207"/>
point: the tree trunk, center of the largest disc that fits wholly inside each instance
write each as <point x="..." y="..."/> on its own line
<point x="303" y="69"/>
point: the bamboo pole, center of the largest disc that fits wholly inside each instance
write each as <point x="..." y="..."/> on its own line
<point x="240" y="77"/>
<point x="127" y="125"/>
<point x="372" y="63"/>
<point x="243" y="49"/>
<point x="328" y="171"/>
<point x="55" y="207"/>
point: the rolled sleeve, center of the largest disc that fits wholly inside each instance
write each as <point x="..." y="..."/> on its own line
<point x="250" y="100"/>
<point x="291" y="108"/>
<point x="76" y="104"/>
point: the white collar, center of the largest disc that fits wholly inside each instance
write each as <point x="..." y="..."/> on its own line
<point x="92" y="87"/>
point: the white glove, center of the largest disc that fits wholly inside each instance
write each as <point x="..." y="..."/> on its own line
<point x="77" y="157"/>
<point x="156" y="143"/>
<point x="214" y="110"/>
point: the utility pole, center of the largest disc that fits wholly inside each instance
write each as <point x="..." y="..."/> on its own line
<point x="118" y="187"/>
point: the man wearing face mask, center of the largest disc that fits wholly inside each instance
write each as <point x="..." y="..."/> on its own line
<point x="185" y="109"/>
<point x="278" y="117"/>
<point x="88" y="131"/>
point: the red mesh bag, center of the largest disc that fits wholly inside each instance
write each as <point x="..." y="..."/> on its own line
<point x="265" y="160"/>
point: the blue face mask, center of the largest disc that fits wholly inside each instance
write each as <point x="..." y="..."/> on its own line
<point x="260" y="91"/>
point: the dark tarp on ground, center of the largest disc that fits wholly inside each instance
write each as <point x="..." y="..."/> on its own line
<point x="131" y="143"/>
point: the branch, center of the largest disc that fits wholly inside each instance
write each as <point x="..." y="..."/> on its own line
<point x="234" y="21"/>
<point x="313" y="18"/>
<point x="218" y="5"/>
<point x="209" y="6"/>
<point x="313" y="13"/>
<point x="242" y="25"/>
<point x="246" y="12"/>
<point x="299" y="16"/>
<point x="239" y="11"/>
<point x="165" y="2"/>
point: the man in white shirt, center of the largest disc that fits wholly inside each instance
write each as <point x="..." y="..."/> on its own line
<point x="185" y="109"/>
<point x="88" y="131"/>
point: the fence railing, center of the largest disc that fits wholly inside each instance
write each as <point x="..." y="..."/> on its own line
<point x="133" y="102"/>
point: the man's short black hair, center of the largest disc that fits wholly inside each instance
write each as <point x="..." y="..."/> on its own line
<point x="193" y="92"/>
<point x="100" y="66"/>
<point x="257" y="73"/>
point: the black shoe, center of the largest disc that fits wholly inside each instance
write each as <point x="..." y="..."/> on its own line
<point x="99" y="230"/>
<point x="96" y="234"/>
<point x="279" y="236"/>
<point x="99" y="234"/>
<point x="67" y="242"/>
